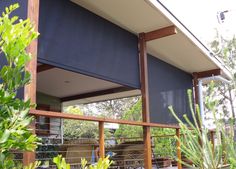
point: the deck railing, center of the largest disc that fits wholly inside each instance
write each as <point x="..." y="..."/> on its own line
<point x="125" y="152"/>
<point x="130" y="153"/>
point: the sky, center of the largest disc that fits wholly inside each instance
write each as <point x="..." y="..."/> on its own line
<point x="200" y="16"/>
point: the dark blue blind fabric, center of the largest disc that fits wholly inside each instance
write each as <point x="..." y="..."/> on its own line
<point x="76" y="39"/>
<point x="168" y="85"/>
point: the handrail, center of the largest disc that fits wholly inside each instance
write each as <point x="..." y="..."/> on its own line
<point x="97" y="119"/>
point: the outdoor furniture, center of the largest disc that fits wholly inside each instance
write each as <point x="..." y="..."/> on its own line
<point x="75" y="150"/>
<point x="163" y="162"/>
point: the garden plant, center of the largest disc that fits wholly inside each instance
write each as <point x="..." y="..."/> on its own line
<point x="198" y="147"/>
<point x="15" y="36"/>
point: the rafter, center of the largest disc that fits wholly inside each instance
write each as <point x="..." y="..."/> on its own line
<point x="208" y="73"/>
<point x="96" y="93"/>
<point x="44" y="67"/>
<point x="161" y="33"/>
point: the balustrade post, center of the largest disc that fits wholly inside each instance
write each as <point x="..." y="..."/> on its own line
<point x="101" y="140"/>
<point x="178" y="149"/>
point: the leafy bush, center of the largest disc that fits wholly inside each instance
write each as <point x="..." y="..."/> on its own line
<point x="229" y="151"/>
<point x="101" y="164"/>
<point x="15" y="36"/>
<point x="61" y="162"/>
<point x="163" y="146"/>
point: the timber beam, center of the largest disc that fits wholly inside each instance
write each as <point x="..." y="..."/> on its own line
<point x="160" y="33"/>
<point x="96" y="93"/>
<point x="203" y="74"/>
<point x="208" y="73"/>
<point x="44" y="67"/>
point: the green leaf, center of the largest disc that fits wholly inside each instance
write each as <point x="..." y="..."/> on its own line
<point x="5" y="136"/>
<point x="15" y="36"/>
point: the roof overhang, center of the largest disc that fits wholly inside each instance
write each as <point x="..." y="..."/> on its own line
<point x="182" y="49"/>
<point x="74" y="88"/>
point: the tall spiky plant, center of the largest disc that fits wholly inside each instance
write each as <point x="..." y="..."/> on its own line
<point x="229" y="142"/>
<point x="197" y="146"/>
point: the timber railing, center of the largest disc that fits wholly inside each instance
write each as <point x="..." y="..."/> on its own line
<point x="97" y="119"/>
<point x="127" y="152"/>
<point x="101" y="142"/>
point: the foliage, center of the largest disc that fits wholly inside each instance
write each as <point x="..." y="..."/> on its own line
<point x="212" y="100"/>
<point x="74" y="129"/>
<point x="61" y="162"/>
<point x="229" y="143"/>
<point x="101" y="164"/>
<point x="82" y="129"/>
<point x="116" y="108"/>
<point x="74" y="110"/>
<point x="163" y="146"/>
<point x="197" y="145"/>
<point x="134" y="114"/>
<point x="33" y="165"/>
<point x="112" y="108"/>
<point x="226" y="51"/>
<point x="15" y="36"/>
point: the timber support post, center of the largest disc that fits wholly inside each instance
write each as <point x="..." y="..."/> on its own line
<point x="101" y="140"/>
<point x="178" y="149"/>
<point x="143" y="39"/>
<point x="195" y="85"/>
<point x="145" y="101"/>
<point x="30" y="89"/>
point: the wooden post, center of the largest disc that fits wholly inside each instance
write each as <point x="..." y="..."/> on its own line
<point x="30" y="90"/>
<point x="178" y="149"/>
<point x="195" y="85"/>
<point x="145" y="101"/>
<point x="101" y="140"/>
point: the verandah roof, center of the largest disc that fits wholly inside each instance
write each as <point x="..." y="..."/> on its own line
<point x="182" y="50"/>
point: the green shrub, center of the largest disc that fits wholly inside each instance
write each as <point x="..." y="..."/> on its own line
<point x="15" y="36"/>
<point x="101" y="164"/>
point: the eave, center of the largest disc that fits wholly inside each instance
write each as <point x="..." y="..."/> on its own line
<point x="183" y="50"/>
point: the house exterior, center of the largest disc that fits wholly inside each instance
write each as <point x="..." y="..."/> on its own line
<point x="91" y="50"/>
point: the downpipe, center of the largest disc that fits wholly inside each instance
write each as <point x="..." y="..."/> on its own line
<point x="202" y="81"/>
